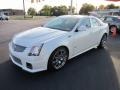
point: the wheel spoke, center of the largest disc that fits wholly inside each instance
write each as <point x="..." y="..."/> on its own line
<point x="59" y="58"/>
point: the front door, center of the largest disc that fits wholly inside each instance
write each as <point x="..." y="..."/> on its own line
<point x="82" y="37"/>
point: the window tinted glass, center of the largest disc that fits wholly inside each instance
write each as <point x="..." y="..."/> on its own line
<point x="62" y="23"/>
<point x="116" y="19"/>
<point x="85" y="22"/>
<point x="108" y="19"/>
<point x="95" y="22"/>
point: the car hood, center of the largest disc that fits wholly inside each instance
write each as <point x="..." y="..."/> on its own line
<point x="36" y="35"/>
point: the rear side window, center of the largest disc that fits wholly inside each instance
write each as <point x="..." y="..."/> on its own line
<point x="116" y="19"/>
<point x="108" y="19"/>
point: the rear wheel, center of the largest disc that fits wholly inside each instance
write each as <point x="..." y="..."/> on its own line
<point x="58" y="59"/>
<point x="103" y="41"/>
<point x="1" y="18"/>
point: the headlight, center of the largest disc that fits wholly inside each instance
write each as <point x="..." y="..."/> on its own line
<point x="35" y="50"/>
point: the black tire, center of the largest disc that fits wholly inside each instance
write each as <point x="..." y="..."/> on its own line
<point x="1" y="18"/>
<point x="6" y="19"/>
<point x="103" y="41"/>
<point x="58" y="59"/>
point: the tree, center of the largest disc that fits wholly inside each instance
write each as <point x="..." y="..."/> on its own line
<point x="46" y="10"/>
<point x="101" y="7"/>
<point x="55" y="11"/>
<point x="86" y="8"/>
<point x="31" y="11"/>
<point x="73" y="9"/>
<point x="112" y="6"/>
<point x="63" y="10"/>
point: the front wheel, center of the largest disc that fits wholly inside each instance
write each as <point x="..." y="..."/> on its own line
<point x="6" y="19"/>
<point x="103" y="42"/>
<point x="58" y="59"/>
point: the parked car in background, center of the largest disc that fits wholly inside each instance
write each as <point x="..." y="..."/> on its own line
<point x="4" y="17"/>
<point x="113" y="22"/>
<point x="50" y="46"/>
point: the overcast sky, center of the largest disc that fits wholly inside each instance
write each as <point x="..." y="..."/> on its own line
<point x="17" y="4"/>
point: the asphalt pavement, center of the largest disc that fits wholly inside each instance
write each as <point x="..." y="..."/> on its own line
<point x="97" y="69"/>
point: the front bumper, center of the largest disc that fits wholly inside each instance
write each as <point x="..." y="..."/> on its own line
<point x="30" y="64"/>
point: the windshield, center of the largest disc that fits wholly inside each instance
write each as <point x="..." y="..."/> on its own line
<point x="62" y="23"/>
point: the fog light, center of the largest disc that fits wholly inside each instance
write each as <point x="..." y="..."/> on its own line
<point x="28" y="65"/>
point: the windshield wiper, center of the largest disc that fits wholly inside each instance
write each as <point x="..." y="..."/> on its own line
<point x="57" y="28"/>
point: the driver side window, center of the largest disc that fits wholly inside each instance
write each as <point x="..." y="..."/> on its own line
<point x="85" y="23"/>
<point x="95" y="22"/>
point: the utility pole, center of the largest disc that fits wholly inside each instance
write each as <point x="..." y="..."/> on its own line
<point x="71" y="7"/>
<point x="24" y="8"/>
<point x="76" y="6"/>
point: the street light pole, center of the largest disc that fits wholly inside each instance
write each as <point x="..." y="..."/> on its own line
<point x="71" y="7"/>
<point x="24" y="7"/>
<point x="76" y="7"/>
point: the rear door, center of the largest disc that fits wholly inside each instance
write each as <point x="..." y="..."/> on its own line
<point x="96" y="28"/>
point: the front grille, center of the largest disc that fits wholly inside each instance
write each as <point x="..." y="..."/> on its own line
<point x="17" y="60"/>
<point x="18" y="48"/>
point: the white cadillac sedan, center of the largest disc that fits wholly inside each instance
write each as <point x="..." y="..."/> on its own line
<point x="50" y="46"/>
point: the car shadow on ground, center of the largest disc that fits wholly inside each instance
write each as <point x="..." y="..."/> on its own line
<point x="93" y="70"/>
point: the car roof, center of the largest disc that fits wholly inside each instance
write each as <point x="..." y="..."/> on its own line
<point x="78" y="16"/>
<point x="74" y="16"/>
<point x="112" y="16"/>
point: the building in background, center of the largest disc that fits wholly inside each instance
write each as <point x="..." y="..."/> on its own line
<point x="11" y="12"/>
